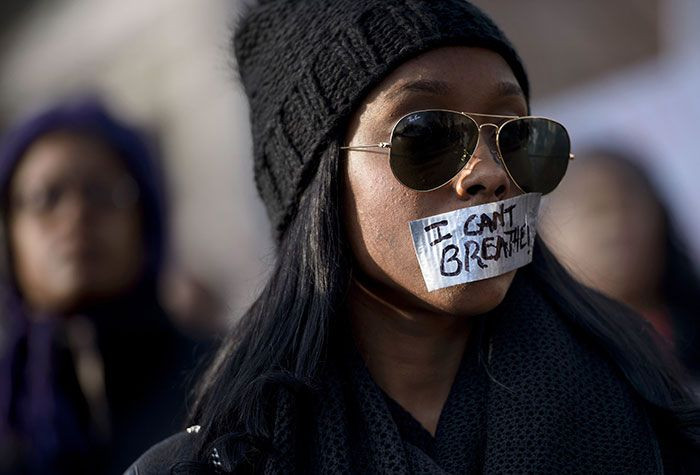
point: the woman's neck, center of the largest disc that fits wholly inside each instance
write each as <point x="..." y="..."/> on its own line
<point x="413" y="355"/>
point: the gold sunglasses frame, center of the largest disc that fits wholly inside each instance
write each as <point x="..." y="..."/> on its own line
<point x="387" y="145"/>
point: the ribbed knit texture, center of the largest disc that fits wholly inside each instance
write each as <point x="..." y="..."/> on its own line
<point x="307" y="64"/>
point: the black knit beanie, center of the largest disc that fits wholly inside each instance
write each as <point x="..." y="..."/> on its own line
<point x="307" y="64"/>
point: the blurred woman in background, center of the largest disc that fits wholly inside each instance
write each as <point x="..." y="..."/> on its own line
<point x="90" y="366"/>
<point x="608" y="224"/>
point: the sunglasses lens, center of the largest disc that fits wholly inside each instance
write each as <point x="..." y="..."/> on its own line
<point x="535" y="152"/>
<point x="428" y="148"/>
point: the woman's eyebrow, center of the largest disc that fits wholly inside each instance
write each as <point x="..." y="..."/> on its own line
<point x="441" y="88"/>
<point x="507" y="89"/>
<point x="430" y="86"/>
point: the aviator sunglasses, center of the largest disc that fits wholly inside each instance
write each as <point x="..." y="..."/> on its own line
<point x="428" y="148"/>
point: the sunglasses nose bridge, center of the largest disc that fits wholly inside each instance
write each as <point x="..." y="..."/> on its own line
<point x="483" y="177"/>
<point x="488" y="124"/>
<point x="492" y="142"/>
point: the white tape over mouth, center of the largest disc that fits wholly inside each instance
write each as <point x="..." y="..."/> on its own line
<point x="476" y="243"/>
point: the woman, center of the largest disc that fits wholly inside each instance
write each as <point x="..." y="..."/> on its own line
<point x="346" y="363"/>
<point x="638" y="256"/>
<point x="89" y="363"/>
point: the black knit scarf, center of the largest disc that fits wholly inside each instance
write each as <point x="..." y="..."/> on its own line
<point x="532" y="395"/>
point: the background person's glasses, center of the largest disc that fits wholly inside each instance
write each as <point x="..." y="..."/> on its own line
<point x="428" y="148"/>
<point x="100" y="195"/>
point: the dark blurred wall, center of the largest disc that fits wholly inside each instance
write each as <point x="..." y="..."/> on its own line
<point x="11" y="13"/>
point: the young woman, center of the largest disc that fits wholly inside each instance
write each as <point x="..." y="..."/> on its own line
<point x="367" y="115"/>
<point x="638" y="257"/>
<point x="90" y="364"/>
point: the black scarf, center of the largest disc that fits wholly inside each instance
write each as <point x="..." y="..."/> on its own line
<point x="532" y="395"/>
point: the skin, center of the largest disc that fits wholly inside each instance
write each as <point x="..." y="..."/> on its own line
<point x="624" y="257"/>
<point x="75" y="253"/>
<point x="412" y="340"/>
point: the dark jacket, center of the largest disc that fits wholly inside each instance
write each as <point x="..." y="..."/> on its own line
<point x="176" y="454"/>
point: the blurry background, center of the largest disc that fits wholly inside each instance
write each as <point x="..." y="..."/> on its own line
<point x="623" y="72"/>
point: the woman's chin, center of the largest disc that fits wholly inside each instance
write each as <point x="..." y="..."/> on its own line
<point x="474" y="298"/>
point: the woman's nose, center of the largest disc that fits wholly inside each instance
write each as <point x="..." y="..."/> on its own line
<point x="483" y="179"/>
<point x="75" y="208"/>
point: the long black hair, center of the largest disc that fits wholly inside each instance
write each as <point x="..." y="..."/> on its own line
<point x="284" y="338"/>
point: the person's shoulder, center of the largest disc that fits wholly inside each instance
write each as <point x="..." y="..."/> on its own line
<point x="176" y="454"/>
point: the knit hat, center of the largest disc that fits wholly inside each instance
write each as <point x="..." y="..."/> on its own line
<point x="307" y="64"/>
